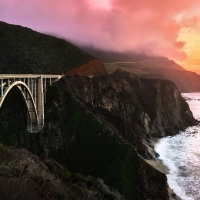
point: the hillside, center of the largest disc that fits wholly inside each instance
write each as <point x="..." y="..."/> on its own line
<point x="186" y="81"/>
<point x="144" y="67"/>
<point x="115" y="56"/>
<point x="23" y="50"/>
<point x="26" y="176"/>
<point x="149" y="67"/>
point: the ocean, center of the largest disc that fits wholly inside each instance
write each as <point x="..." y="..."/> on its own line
<point x="181" y="154"/>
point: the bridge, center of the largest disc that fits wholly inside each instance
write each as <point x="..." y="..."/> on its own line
<point x="33" y="88"/>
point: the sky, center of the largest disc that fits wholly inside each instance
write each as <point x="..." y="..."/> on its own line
<point x="156" y="27"/>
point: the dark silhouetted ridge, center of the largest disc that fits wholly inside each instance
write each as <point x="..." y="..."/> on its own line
<point x="23" y="50"/>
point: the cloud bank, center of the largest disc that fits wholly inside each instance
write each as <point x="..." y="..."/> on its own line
<point x="140" y="25"/>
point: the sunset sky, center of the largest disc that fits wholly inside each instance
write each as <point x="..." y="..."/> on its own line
<point x="158" y="27"/>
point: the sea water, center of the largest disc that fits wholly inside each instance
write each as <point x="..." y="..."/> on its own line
<point x="181" y="154"/>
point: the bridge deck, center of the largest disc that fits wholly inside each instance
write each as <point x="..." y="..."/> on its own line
<point x="4" y="76"/>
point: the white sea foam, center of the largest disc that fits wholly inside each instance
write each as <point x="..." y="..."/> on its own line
<point x="181" y="154"/>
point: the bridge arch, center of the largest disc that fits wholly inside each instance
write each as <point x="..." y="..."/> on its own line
<point x="32" y="116"/>
<point x="33" y="88"/>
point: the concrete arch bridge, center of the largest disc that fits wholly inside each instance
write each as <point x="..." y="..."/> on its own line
<point x="33" y="88"/>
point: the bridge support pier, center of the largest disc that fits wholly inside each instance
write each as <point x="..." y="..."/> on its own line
<point x="40" y="103"/>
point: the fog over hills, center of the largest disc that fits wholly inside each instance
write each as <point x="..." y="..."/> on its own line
<point x="148" y="66"/>
<point x="116" y="56"/>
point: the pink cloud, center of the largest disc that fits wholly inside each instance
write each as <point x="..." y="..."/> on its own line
<point x="140" y="25"/>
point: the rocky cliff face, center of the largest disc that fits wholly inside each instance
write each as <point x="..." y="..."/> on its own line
<point x="94" y="146"/>
<point x="85" y="143"/>
<point x="139" y="108"/>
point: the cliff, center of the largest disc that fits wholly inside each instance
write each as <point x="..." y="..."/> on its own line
<point x="138" y="107"/>
<point x="101" y="127"/>
<point x="23" y="50"/>
<point x="77" y="138"/>
<point x="94" y="146"/>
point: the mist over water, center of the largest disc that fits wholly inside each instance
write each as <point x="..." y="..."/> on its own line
<point x="181" y="154"/>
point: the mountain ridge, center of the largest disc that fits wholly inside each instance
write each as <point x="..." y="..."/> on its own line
<point x="148" y="66"/>
<point x="23" y="50"/>
<point x="116" y="56"/>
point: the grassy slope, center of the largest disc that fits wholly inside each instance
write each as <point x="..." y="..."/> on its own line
<point x="141" y="68"/>
<point x="23" y="50"/>
<point x="186" y="81"/>
<point x="27" y="176"/>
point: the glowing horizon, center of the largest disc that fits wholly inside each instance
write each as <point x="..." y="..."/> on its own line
<point x="192" y="49"/>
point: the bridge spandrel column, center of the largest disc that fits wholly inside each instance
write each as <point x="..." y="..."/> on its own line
<point x="1" y="87"/>
<point x="32" y="123"/>
<point x="40" y="103"/>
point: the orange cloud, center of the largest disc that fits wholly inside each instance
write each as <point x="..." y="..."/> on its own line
<point x="179" y="44"/>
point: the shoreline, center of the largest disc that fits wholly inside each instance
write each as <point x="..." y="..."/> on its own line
<point x="159" y="165"/>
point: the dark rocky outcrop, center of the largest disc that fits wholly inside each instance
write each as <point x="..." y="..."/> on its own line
<point x="138" y="107"/>
<point x="94" y="146"/>
<point x="23" y="50"/>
